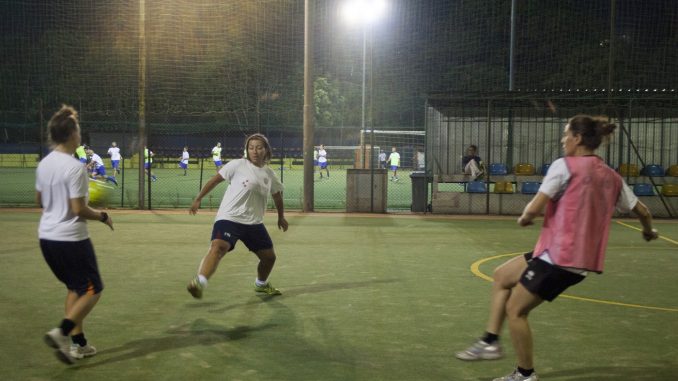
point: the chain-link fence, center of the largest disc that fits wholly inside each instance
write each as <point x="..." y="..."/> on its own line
<point x="518" y="136"/>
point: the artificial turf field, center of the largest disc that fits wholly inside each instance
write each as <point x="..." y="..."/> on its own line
<point x="364" y="298"/>
<point x="174" y="190"/>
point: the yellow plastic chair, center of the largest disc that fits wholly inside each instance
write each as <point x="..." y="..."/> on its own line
<point x="629" y="170"/>
<point x="670" y="190"/>
<point x="673" y="170"/>
<point x="503" y="187"/>
<point x="524" y="169"/>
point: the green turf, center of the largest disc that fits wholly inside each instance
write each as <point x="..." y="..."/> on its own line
<point x="173" y="190"/>
<point x="388" y="298"/>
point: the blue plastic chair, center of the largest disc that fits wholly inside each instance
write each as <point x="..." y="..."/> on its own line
<point x="498" y="169"/>
<point x="545" y="169"/>
<point x="476" y="187"/>
<point x="529" y="187"/>
<point x="653" y="170"/>
<point x="643" y="189"/>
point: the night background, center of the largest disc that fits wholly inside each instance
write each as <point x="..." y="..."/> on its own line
<point x="238" y="65"/>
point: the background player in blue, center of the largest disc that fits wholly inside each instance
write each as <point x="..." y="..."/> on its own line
<point x="61" y="191"/>
<point x="216" y="156"/>
<point x="183" y="161"/>
<point x="97" y="167"/>
<point x="322" y="161"/>
<point x="241" y="214"/>
<point x="394" y="160"/>
<point x="114" y="153"/>
<point x="148" y="163"/>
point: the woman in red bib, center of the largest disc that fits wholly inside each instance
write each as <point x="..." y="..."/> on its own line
<point x="580" y="194"/>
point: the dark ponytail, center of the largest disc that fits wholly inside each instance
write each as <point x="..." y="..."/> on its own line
<point x="592" y="129"/>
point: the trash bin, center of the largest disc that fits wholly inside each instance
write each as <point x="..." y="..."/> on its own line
<point x="420" y="191"/>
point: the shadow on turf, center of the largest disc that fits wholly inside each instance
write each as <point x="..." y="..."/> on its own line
<point x="302" y="290"/>
<point x="638" y="373"/>
<point x="197" y="333"/>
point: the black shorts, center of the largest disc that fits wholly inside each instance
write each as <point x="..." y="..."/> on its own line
<point x="255" y="237"/>
<point x="74" y="264"/>
<point x="546" y="280"/>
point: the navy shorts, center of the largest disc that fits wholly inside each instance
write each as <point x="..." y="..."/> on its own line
<point x="74" y="264"/>
<point x="323" y="165"/>
<point x="115" y="164"/>
<point x="546" y="280"/>
<point x="255" y="237"/>
<point x="183" y="165"/>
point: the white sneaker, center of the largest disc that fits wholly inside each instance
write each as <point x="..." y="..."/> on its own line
<point x="79" y="352"/>
<point x="516" y="376"/>
<point x="481" y="350"/>
<point x="62" y="344"/>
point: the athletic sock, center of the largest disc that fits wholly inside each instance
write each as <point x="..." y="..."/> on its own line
<point x="260" y="283"/>
<point x="525" y="372"/>
<point x="79" y="339"/>
<point x="67" y="326"/>
<point x="202" y="280"/>
<point x="490" y="338"/>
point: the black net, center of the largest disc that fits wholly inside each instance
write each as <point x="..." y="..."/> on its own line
<point x="216" y="71"/>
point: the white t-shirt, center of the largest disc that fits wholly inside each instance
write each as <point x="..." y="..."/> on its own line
<point x="96" y="159"/>
<point x="322" y="156"/>
<point x="184" y="157"/>
<point x="247" y="194"/>
<point x="60" y="178"/>
<point x="114" y="152"/>
<point x="216" y="153"/>
<point x="558" y="176"/>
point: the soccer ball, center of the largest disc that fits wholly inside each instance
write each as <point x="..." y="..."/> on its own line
<point x="99" y="193"/>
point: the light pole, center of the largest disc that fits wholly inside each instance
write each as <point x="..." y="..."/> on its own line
<point x="365" y="13"/>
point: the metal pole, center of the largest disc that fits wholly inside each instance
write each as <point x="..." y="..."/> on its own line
<point x="308" y="199"/>
<point x="362" y="119"/>
<point x="610" y="57"/>
<point x="142" y="98"/>
<point x="513" y="45"/>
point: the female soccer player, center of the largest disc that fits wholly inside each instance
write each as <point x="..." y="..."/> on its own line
<point x="241" y="214"/>
<point x="183" y="161"/>
<point x="322" y="161"/>
<point x="114" y="153"/>
<point x="61" y="185"/>
<point x="394" y="160"/>
<point x="216" y="156"/>
<point x="580" y="193"/>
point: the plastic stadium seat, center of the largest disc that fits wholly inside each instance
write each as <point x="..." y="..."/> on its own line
<point x="545" y="168"/>
<point x="653" y="170"/>
<point x="529" y="187"/>
<point x="670" y="190"/>
<point x="503" y="187"/>
<point x="524" y="169"/>
<point x="498" y="169"/>
<point x="673" y="170"/>
<point x="643" y="189"/>
<point x="476" y="187"/>
<point x="629" y="170"/>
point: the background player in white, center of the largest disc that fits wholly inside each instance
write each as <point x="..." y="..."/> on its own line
<point x="97" y="167"/>
<point x="382" y="159"/>
<point x="61" y="190"/>
<point x="241" y="214"/>
<point x="580" y="193"/>
<point x="322" y="161"/>
<point x="394" y="160"/>
<point x="216" y="156"/>
<point x="114" y="153"/>
<point x="183" y="161"/>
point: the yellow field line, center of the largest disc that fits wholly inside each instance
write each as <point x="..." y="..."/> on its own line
<point x="640" y="230"/>
<point x="475" y="269"/>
